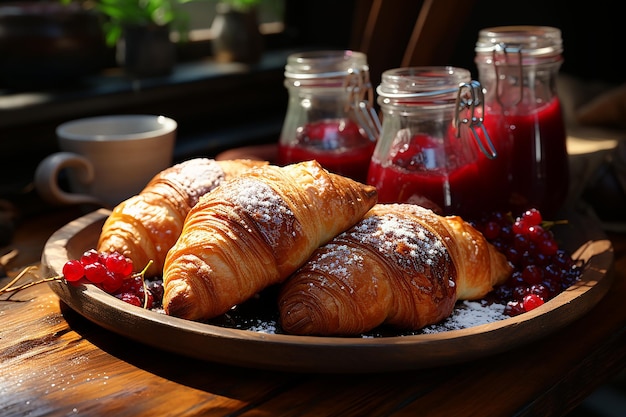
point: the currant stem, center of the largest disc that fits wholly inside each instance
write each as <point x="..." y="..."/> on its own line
<point x="548" y="224"/>
<point x="142" y="274"/>
<point x="30" y="284"/>
<point x="17" y="278"/>
<point x="11" y="288"/>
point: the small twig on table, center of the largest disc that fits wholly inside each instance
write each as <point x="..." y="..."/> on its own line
<point x="5" y="259"/>
<point x="12" y="287"/>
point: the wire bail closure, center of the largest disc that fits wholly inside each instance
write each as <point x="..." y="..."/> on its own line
<point x="361" y="99"/>
<point x="469" y="96"/>
<point x="505" y="50"/>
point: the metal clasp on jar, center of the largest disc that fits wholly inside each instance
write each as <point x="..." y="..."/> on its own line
<point x="505" y="50"/>
<point x="361" y="99"/>
<point x="470" y="96"/>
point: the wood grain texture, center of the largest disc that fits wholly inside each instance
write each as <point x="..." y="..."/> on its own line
<point x="53" y="362"/>
<point x="342" y="355"/>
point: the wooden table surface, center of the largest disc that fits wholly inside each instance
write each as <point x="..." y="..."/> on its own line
<point x="53" y="362"/>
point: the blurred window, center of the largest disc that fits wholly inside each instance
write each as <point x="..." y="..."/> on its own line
<point x="202" y="12"/>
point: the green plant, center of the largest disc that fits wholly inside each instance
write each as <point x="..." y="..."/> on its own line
<point x="120" y="13"/>
<point x="142" y="12"/>
<point x="242" y="5"/>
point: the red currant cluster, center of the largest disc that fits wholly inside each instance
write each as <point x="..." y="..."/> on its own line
<point x="113" y="273"/>
<point x="542" y="270"/>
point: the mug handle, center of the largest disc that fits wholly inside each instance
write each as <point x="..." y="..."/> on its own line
<point x="47" y="175"/>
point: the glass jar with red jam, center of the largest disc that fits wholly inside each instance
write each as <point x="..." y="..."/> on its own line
<point x="427" y="153"/>
<point x="518" y="66"/>
<point x="330" y="117"/>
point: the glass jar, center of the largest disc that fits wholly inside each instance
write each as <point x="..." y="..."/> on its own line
<point x="329" y="117"/>
<point x="517" y="66"/>
<point x="428" y="148"/>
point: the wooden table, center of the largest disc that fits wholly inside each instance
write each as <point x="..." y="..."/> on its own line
<point x="53" y="362"/>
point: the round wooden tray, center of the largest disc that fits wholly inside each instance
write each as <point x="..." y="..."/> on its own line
<point x="282" y="352"/>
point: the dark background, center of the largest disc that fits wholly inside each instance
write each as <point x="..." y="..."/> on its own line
<point x="215" y="114"/>
<point x="593" y="32"/>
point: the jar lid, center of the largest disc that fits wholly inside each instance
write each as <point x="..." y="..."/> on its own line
<point x="325" y="64"/>
<point x="415" y="82"/>
<point x="531" y="41"/>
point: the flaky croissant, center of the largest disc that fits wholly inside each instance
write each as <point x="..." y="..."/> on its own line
<point x="145" y="226"/>
<point x="401" y="265"/>
<point x="254" y="231"/>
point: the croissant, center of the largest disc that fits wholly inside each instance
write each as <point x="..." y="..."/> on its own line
<point x="402" y="265"/>
<point x="254" y="231"/>
<point x="145" y="226"/>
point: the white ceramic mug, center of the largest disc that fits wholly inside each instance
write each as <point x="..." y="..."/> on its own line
<point x="107" y="158"/>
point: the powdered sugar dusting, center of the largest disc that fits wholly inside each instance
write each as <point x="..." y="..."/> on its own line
<point x="261" y="326"/>
<point x="196" y="176"/>
<point x="335" y="259"/>
<point x="469" y="314"/>
<point x="263" y="204"/>
<point x="466" y="314"/>
<point x="398" y="236"/>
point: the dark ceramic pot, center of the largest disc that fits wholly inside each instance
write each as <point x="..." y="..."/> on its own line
<point x="237" y="36"/>
<point x="146" y="50"/>
<point x="46" y="43"/>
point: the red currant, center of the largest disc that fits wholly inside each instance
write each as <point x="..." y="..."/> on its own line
<point x="132" y="285"/>
<point x="520" y="227"/>
<point x="521" y="243"/>
<point x="535" y="233"/>
<point x="531" y="301"/>
<point x="532" y="274"/>
<point x="73" y="270"/>
<point x="130" y="299"/>
<point x="541" y="290"/>
<point x="113" y="282"/>
<point x="118" y="263"/>
<point x="113" y="273"/>
<point x="96" y="272"/>
<point x="491" y="230"/>
<point x="513" y="308"/>
<point x="90" y="257"/>
<point x="541" y="269"/>
<point x="532" y="217"/>
<point x="548" y="247"/>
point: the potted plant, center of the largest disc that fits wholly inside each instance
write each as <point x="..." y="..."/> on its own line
<point x="236" y="28"/>
<point x="141" y="13"/>
<point x="140" y="30"/>
<point x="242" y="5"/>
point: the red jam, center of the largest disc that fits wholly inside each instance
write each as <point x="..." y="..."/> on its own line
<point x="429" y="174"/>
<point x="530" y="171"/>
<point x="532" y="150"/>
<point x="339" y="145"/>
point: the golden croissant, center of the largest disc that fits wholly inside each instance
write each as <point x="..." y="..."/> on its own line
<point x="254" y="231"/>
<point x="402" y="265"/>
<point x="145" y="226"/>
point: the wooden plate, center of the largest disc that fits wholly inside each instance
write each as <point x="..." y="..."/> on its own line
<point x="330" y="354"/>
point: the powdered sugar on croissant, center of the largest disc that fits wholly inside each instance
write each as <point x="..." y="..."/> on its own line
<point x="401" y="265"/>
<point x="145" y="226"/>
<point x="254" y="231"/>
